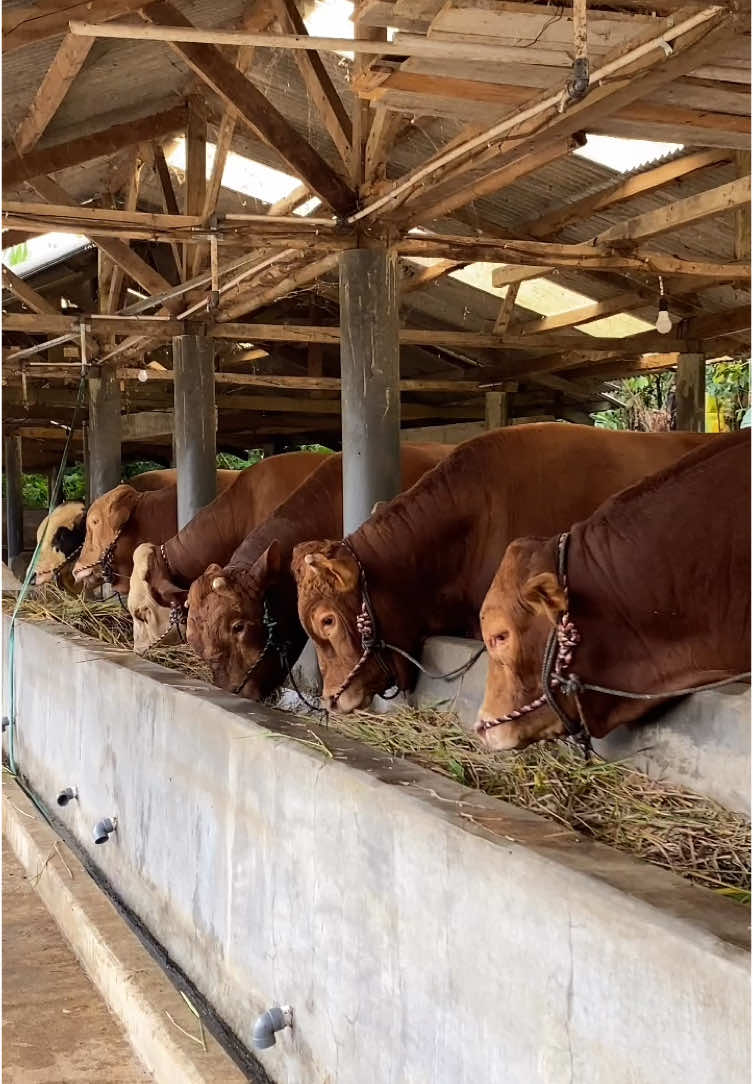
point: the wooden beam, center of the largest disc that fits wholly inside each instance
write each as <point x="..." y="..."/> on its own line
<point x="117" y="281"/>
<point x="169" y="200"/>
<point x="695" y="37"/>
<point x="68" y="62"/>
<point x="648" y="181"/>
<point x="715" y="325"/>
<point x="303" y="405"/>
<point x="76" y="152"/>
<point x="682" y="212"/>
<point x="576" y="257"/>
<point x="320" y="87"/>
<point x="256" y="299"/>
<point x="29" y="24"/>
<point x="742" y="215"/>
<point x="385" y="126"/>
<point x="426" y="275"/>
<point x="58" y="324"/>
<point x="208" y="62"/>
<point x="26" y="293"/>
<point x="427" y="209"/>
<point x="506" y="309"/>
<point x="196" y="178"/>
<point x="119" y="253"/>
<point x="289" y="203"/>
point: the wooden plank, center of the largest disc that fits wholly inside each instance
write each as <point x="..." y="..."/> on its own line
<point x="68" y="62"/>
<point x="311" y="383"/>
<point x="506" y="309"/>
<point x="26" y="293"/>
<point x="44" y="324"/>
<point x="648" y="181"/>
<point x="682" y="212"/>
<point x="255" y="110"/>
<point x="320" y="87"/>
<point x="76" y="152"/>
<point x="302" y="405"/>
<point x="32" y="23"/>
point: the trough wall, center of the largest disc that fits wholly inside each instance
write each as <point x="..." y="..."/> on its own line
<point x="423" y="933"/>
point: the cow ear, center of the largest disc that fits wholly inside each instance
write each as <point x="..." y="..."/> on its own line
<point x="268" y="567"/>
<point x="543" y="594"/>
<point x="123" y="500"/>
<point x="378" y="507"/>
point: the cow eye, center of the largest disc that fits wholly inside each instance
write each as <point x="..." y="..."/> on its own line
<point x="238" y="627"/>
<point x="328" y="622"/>
<point x="499" y="638"/>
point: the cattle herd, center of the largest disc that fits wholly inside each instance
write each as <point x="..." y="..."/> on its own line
<point x="587" y="559"/>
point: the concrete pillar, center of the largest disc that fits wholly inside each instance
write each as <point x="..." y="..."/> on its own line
<point x="370" y="372"/>
<point x="195" y="424"/>
<point x="690" y="393"/>
<point x="14" y="505"/>
<point x="104" y="433"/>
<point x="497" y="409"/>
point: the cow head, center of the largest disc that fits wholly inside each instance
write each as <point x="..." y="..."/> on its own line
<point x="519" y="611"/>
<point x="152" y="595"/>
<point x="226" y="623"/>
<point x="329" y="601"/>
<point x="108" y="515"/>
<point x="61" y="534"/>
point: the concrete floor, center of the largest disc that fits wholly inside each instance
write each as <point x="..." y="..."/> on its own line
<point x="56" y="1028"/>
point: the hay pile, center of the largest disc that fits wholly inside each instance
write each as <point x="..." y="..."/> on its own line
<point x="656" y="821"/>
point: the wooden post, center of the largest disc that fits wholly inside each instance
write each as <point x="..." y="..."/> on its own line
<point x="87" y="465"/>
<point x="195" y="424"/>
<point x="691" y="392"/>
<point x="370" y="372"/>
<point x="497" y="409"/>
<point x="104" y="433"/>
<point x="14" y="505"/>
<point x="742" y="214"/>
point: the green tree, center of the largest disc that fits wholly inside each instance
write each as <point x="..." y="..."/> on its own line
<point x="648" y="403"/>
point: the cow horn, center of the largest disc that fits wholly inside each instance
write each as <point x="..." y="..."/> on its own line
<point x="218" y="582"/>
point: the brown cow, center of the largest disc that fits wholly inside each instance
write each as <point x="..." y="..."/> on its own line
<point x="123" y="517"/>
<point x="658" y="589"/>
<point x="63" y="531"/>
<point x="430" y="555"/>
<point x="227" y="606"/>
<point x="159" y="585"/>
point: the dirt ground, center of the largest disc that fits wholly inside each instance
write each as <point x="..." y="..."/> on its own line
<point x="56" y="1028"/>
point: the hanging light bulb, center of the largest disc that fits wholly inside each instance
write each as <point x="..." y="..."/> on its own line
<point x="663" y="321"/>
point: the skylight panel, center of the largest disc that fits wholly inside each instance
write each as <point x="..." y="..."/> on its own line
<point x="624" y="155"/>
<point x="42" y="249"/>
<point x="241" y="174"/>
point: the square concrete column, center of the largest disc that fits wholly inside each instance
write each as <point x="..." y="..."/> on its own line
<point x="14" y="505"/>
<point x="370" y="372"/>
<point x="104" y="433"/>
<point x="195" y="424"/>
<point x="690" y="393"/>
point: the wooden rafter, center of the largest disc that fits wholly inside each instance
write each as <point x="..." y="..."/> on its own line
<point x="196" y="176"/>
<point x="26" y="293"/>
<point x="76" y="152"/>
<point x="506" y="309"/>
<point x="208" y="62"/>
<point x="649" y="181"/>
<point x="119" y="253"/>
<point x="169" y="200"/>
<point x="117" y="281"/>
<point x="320" y="87"/>
<point x="385" y="128"/>
<point x="32" y="23"/>
<point x="448" y="198"/>
<point x="682" y="212"/>
<point x="68" y="61"/>
<point x="409" y="282"/>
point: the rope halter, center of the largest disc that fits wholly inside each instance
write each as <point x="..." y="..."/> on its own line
<point x="272" y="642"/>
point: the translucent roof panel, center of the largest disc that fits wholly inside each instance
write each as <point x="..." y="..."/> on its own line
<point x="40" y="250"/>
<point x="241" y="174"/>
<point x="624" y="155"/>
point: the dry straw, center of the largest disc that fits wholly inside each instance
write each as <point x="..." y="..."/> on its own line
<point x="609" y="802"/>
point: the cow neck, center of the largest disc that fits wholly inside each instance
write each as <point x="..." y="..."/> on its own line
<point x="313" y="510"/>
<point x="214" y="533"/>
<point x="152" y="519"/>
<point x="420" y="555"/>
<point x="644" y="595"/>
